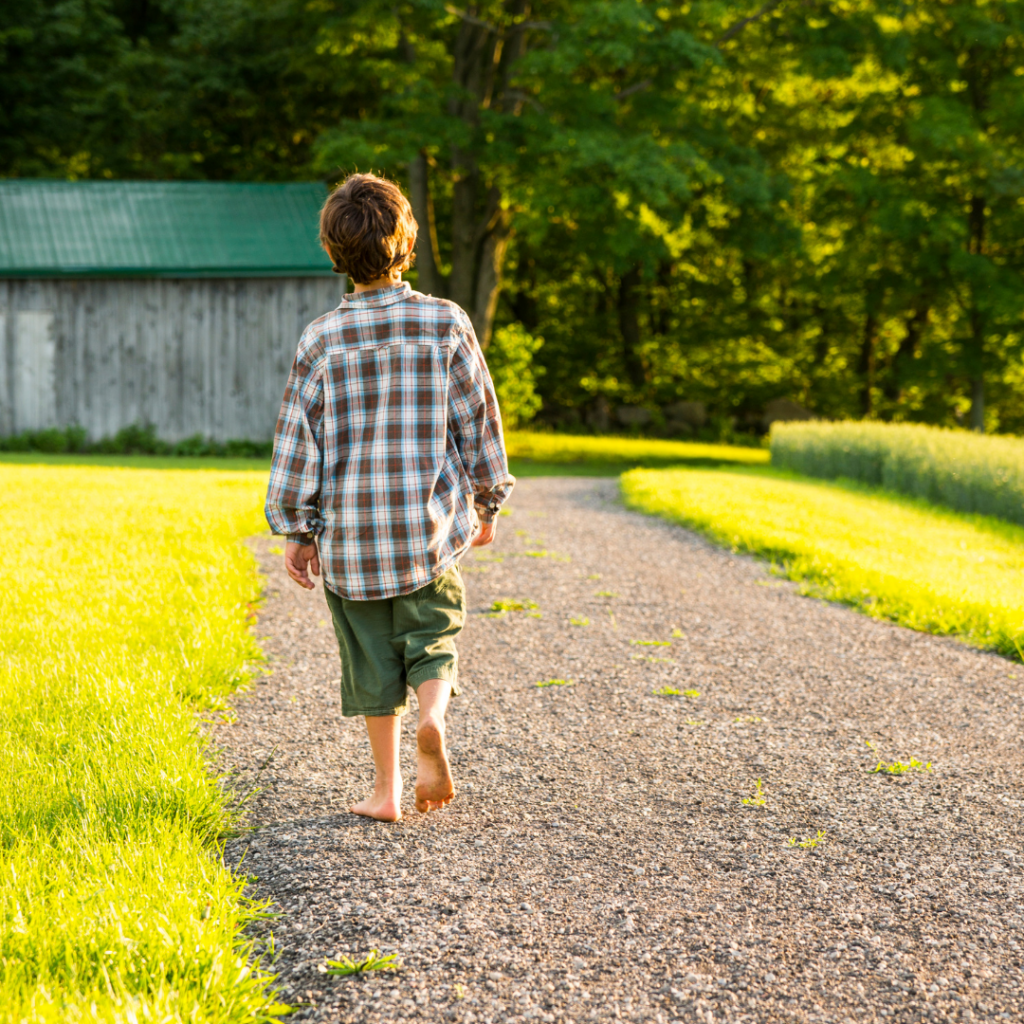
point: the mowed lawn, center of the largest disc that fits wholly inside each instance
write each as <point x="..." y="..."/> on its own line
<point x="125" y="605"/>
<point x="893" y="557"/>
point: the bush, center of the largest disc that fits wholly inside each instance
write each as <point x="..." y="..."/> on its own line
<point x="132" y="440"/>
<point x="965" y="471"/>
<point x="54" y="441"/>
<point x="510" y="360"/>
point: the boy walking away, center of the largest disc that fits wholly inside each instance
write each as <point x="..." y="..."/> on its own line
<point x="389" y="463"/>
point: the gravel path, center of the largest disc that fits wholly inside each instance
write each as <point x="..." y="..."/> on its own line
<point x="598" y="862"/>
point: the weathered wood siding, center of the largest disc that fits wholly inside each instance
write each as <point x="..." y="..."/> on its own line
<point x="189" y="356"/>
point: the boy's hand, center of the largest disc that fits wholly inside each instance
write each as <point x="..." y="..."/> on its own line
<point x="296" y="559"/>
<point x="486" y="534"/>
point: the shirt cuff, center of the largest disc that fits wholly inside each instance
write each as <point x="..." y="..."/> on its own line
<point x="300" y="538"/>
<point x="485" y="515"/>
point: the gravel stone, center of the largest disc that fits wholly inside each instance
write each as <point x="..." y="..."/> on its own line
<point x="598" y="862"/>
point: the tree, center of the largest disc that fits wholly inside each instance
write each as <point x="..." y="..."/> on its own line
<point x="506" y="109"/>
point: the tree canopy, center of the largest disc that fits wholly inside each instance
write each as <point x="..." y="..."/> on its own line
<point x="706" y="202"/>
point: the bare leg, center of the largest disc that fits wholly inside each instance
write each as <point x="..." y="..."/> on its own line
<point x="434" y="786"/>
<point x="384" y="731"/>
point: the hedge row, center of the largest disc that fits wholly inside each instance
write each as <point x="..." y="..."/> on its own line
<point x="133" y="440"/>
<point x="965" y="471"/>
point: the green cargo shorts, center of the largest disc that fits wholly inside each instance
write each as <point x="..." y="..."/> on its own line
<point x="398" y="642"/>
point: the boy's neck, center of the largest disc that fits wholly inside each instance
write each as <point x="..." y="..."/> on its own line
<point x="378" y="282"/>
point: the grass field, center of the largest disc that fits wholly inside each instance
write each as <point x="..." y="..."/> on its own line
<point x="892" y="557"/>
<point x="536" y="454"/>
<point x="124" y="606"/>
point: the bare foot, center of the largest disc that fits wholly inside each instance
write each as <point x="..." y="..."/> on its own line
<point x="434" y="786"/>
<point x="383" y="808"/>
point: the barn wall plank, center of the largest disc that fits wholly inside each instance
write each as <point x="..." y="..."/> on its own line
<point x="208" y="356"/>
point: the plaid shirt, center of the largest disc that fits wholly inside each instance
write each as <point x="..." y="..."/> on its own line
<point x="389" y="435"/>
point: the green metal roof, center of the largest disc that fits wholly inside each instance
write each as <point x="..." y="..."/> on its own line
<point x="159" y="229"/>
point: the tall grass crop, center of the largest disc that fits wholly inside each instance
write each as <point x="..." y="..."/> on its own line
<point x="892" y="557"/>
<point x="966" y="471"/>
<point x="124" y="605"/>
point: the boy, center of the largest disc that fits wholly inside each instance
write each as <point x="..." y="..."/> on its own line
<point x="389" y="463"/>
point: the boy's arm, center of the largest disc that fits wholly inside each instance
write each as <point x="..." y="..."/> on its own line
<point x="293" y="497"/>
<point x="476" y="423"/>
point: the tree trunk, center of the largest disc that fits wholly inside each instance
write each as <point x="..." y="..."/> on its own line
<point x="488" y="280"/>
<point x="427" y="257"/>
<point x="976" y="354"/>
<point x="978" y="404"/>
<point x="481" y="224"/>
<point x="868" y="347"/>
<point x="629" y="325"/>
<point x="907" y="350"/>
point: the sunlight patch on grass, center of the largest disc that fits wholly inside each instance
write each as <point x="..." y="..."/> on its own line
<point x="892" y="557"/>
<point x="561" y="452"/>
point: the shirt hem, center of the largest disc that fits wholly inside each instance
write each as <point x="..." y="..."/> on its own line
<point x="399" y="589"/>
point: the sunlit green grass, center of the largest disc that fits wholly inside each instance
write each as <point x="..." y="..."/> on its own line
<point x="892" y="557"/>
<point x="124" y="605"/>
<point x="537" y="454"/>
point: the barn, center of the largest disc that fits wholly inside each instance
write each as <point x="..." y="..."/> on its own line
<point x="174" y="305"/>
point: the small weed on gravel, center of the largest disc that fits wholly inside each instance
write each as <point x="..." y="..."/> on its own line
<point x="505" y="605"/>
<point x="747" y="720"/>
<point x="810" y="842"/>
<point x="373" y="961"/>
<point x="671" y="691"/>
<point x="555" y="682"/>
<point x="758" y="799"/>
<point x="579" y="622"/>
<point x="678" y="634"/>
<point x="651" y="643"/>
<point x="605" y="593"/>
<point x="901" y="767"/>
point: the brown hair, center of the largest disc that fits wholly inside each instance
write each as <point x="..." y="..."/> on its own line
<point x="367" y="228"/>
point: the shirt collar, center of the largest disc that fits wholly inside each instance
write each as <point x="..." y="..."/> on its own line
<point x="378" y="296"/>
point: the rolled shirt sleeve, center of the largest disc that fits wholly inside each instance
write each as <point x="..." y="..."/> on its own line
<point x="476" y="424"/>
<point x="293" y="496"/>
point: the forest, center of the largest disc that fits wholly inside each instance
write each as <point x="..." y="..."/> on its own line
<point x="661" y="217"/>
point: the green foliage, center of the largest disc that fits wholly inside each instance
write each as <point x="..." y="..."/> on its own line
<point x="131" y="440"/>
<point x="554" y="682"/>
<point x="719" y="203"/>
<point x="891" y="557"/>
<point x="510" y="360"/>
<point x="965" y="471"/>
